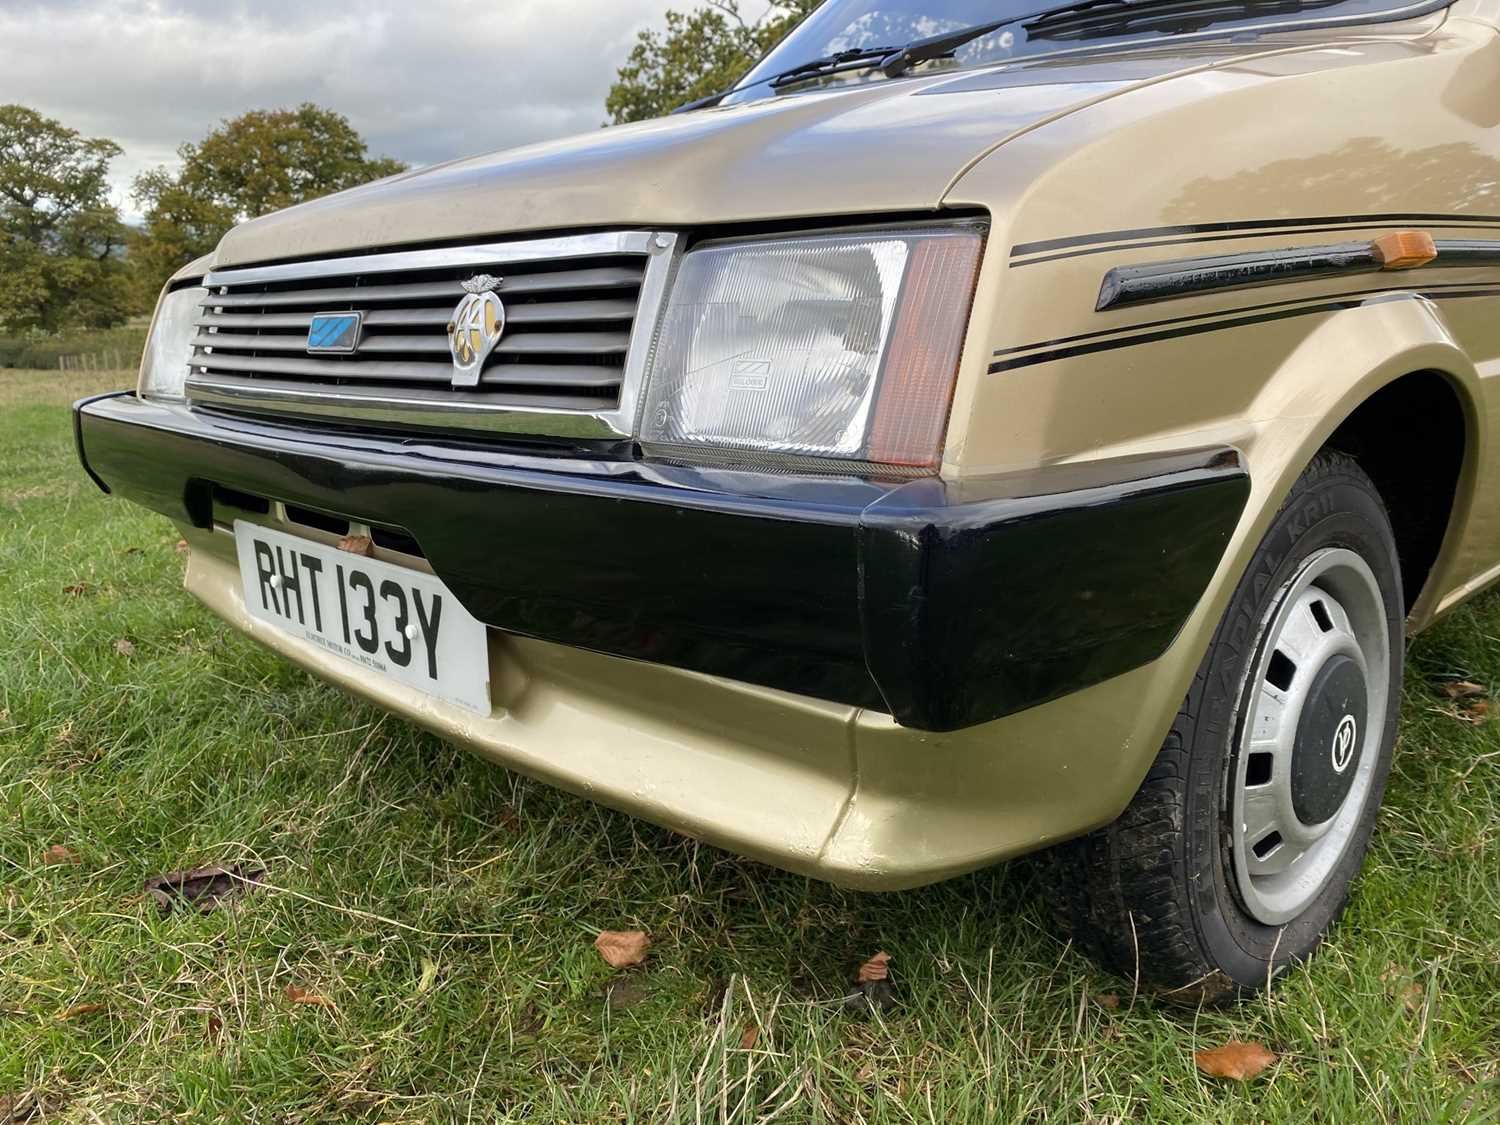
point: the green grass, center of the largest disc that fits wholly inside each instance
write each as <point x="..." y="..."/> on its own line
<point x="447" y="909"/>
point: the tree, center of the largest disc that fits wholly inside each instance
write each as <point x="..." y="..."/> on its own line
<point x="698" y="54"/>
<point x="249" y="166"/>
<point x="60" y="236"/>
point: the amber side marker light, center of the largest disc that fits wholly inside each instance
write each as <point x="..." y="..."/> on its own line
<point x="921" y="368"/>
<point x="1404" y="249"/>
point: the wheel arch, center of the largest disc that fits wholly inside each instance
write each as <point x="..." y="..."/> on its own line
<point x="1315" y="398"/>
<point x="1377" y="383"/>
<point x="1431" y="412"/>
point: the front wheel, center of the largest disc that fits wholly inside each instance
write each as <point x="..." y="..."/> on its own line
<point x="1237" y="853"/>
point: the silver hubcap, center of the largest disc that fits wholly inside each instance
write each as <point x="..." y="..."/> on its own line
<point x="1310" y="740"/>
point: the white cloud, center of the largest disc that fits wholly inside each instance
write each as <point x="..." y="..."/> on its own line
<point x="422" y="81"/>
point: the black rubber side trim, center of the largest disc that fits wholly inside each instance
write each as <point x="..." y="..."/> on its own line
<point x="1014" y="597"/>
<point x="1466" y="252"/>
<point x="1023" y="249"/>
<point x="78" y="434"/>
<point x="1186" y="277"/>
<point x="1222" y="321"/>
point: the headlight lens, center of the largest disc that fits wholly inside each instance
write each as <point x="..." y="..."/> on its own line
<point x="839" y="347"/>
<point x="164" y="367"/>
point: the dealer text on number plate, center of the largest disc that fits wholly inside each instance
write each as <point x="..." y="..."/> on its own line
<point x="402" y="623"/>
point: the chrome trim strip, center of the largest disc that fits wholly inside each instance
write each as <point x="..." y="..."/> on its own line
<point x="488" y="254"/>
<point x="391" y="407"/>
<point x="666" y="252"/>
<point x="445" y="409"/>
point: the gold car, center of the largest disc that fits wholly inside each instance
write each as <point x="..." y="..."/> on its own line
<point x="981" y="429"/>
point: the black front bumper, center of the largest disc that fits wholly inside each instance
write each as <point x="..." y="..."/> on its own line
<point x="942" y="604"/>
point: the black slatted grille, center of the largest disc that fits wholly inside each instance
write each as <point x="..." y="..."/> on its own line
<point x="567" y="333"/>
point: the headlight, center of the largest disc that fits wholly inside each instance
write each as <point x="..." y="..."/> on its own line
<point x="831" y="346"/>
<point x="164" y="367"/>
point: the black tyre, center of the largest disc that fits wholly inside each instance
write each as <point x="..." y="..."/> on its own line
<point x="1237" y="853"/>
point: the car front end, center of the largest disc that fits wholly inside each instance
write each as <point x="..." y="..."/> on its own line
<point x="689" y="427"/>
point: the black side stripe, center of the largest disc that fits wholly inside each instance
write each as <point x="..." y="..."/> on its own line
<point x="1336" y="222"/>
<point x="1220" y="314"/>
<point x="1348" y="301"/>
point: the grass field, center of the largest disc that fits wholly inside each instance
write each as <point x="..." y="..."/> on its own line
<point x="446" y="911"/>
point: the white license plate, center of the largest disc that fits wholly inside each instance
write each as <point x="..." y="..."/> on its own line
<point x="398" y="622"/>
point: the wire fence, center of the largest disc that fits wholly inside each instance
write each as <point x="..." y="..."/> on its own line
<point x="109" y="360"/>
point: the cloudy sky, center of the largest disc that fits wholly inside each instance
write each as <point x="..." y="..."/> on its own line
<point x="423" y="80"/>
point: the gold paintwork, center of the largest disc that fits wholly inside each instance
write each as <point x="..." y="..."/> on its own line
<point x="1305" y="130"/>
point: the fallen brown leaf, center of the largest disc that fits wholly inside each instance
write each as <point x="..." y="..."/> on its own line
<point x="747" y="1040"/>
<point x="215" y="1028"/>
<point x="76" y="589"/>
<point x="297" y="995"/>
<point x="1474" y="711"/>
<point x="1412" y="997"/>
<point x="622" y="948"/>
<point x="1399" y="985"/>
<point x="60" y="853"/>
<point x="1471" y="702"/>
<point x="1237" y="1060"/>
<point x="1461" y="689"/>
<point x="125" y="647"/>
<point x="78" y="1010"/>
<point x="357" y="545"/>
<point x="876" y="968"/>
<point x="1108" y="1000"/>
<point x="203" y="887"/>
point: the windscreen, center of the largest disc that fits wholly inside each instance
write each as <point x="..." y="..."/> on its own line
<point x="848" y="25"/>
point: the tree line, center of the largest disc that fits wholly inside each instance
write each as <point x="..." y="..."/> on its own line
<point x="68" y="259"/>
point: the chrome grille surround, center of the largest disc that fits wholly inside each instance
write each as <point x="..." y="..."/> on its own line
<point x="582" y="312"/>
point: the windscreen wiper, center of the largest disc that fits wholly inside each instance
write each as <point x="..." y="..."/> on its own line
<point x="1188" y="15"/>
<point x="896" y="61"/>
<point x="858" y="58"/>
<point x="854" y="59"/>
<point x="942" y="46"/>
